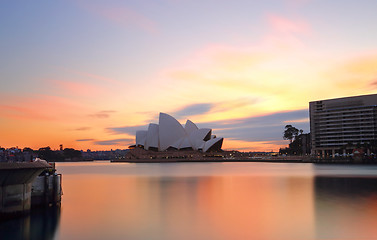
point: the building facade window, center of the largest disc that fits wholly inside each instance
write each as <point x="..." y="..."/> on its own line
<point x="339" y="125"/>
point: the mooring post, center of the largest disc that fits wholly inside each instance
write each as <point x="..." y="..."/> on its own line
<point x="60" y="187"/>
<point x="46" y="190"/>
<point x="54" y="188"/>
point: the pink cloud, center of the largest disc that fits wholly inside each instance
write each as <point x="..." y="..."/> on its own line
<point x="84" y="84"/>
<point x="286" y="33"/>
<point x="374" y="83"/>
<point x="89" y="76"/>
<point x="283" y="36"/>
<point x="285" y="25"/>
<point x="123" y="16"/>
<point x="40" y="107"/>
<point x="21" y="112"/>
<point x="98" y="77"/>
<point x="77" y="88"/>
<point x="102" y="114"/>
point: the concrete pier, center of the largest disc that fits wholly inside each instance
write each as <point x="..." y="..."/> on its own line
<point x="46" y="190"/>
<point x="16" y="180"/>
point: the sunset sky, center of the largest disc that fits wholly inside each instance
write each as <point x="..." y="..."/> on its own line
<point x="87" y="73"/>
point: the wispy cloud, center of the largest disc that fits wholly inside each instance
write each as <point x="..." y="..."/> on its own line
<point x="39" y="107"/>
<point x="76" y="88"/>
<point x="193" y="109"/>
<point x="102" y="114"/>
<point x="82" y="128"/>
<point x="286" y="25"/>
<point x="225" y="106"/>
<point x="374" y="83"/>
<point x="84" y="140"/>
<point x="355" y="75"/>
<point x="120" y="142"/>
<point x="261" y="69"/>
<point x="287" y="33"/>
<point x="123" y="16"/>
<point x="303" y="120"/>
<point x="272" y="119"/>
<point x="22" y="112"/>
<point x="261" y="128"/>
<point x="127" y="129"/>
<point x="98" y="77"/>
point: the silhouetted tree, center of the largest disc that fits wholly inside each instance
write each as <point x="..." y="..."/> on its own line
<point x="27" y="149"/>
<point x="45" y="153"/>
<point x="299" y="146"/>
<point x="49" y="155"/>
<point x="290" y="133"/>
<point x="71" y="153"/>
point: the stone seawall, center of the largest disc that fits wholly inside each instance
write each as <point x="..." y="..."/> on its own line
<point x="16" y="184"/>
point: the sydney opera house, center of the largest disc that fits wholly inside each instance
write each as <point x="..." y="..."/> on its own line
<point x="169" y="134"/>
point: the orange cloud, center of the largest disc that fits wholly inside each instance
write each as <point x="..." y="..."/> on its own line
<point x="39" y="107"/>
<point x="102" y="114"/>
<point x="364" y="65"/>
<point x="253" y="146"/>
<point x="355" y="75"/>
<point x="267" y="77"/>
<point x="270" y="69"/>
<point x="303" y="120"/>
<point x="21" y="112"/>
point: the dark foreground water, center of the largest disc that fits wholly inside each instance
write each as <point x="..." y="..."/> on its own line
<point x="207" y="201"/>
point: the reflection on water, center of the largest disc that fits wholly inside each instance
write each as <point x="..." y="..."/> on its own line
<point x="346" y="207"/>
<point x="215" y="201"/>
<point x="188" y="208"/>
<point x="40" y="224"/>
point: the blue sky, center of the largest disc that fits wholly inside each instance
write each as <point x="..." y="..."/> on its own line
<point x="100" y="65"/>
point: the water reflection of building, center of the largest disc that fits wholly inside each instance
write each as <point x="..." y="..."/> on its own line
<point x="41" y="223"/>
<point x="345" y="207"/>
<point x="230" y="207"/>
<point x="338" y="125"/>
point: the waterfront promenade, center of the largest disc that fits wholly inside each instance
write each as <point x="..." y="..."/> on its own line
<point x="139" y="155"/>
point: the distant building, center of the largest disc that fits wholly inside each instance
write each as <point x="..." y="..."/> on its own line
<point x="339" y="125"/>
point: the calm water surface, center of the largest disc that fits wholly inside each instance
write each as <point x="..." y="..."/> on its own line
<point x="105" y="200"/>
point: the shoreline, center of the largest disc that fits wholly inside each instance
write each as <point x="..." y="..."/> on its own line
<point x="303" y="160"/>
<point x="139" y="155"/>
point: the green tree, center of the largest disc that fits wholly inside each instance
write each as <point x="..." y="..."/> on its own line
<point x="290" y="133"/>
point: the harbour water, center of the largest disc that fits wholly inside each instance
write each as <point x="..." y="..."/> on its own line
<point x="103" y="200"/>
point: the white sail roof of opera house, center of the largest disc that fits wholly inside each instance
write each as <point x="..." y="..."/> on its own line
<point x="169" y="133"/>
